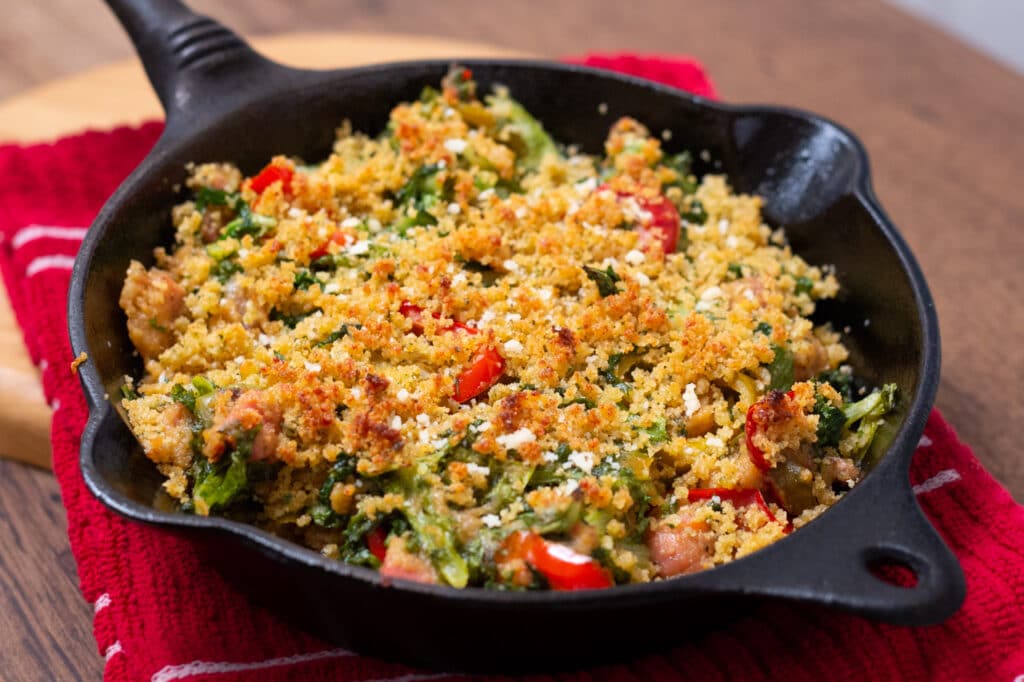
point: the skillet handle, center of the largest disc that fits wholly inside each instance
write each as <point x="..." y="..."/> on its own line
<point x="882" y="526"/>
<point x="196" y="65"/>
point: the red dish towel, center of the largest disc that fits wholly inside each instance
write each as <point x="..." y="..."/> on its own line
<point x="161" y="615"/>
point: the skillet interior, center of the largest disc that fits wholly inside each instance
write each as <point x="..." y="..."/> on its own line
<point x="814" y="178"/>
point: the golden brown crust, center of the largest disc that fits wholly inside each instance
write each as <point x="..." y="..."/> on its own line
<point x="321" y="362"/>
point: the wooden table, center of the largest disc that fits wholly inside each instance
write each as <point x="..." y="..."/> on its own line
<point x="941" y="122"/>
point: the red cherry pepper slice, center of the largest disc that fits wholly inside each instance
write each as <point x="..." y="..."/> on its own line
<point x="741" y="497"/>
<point x="759" y="415"/>
<point x="415" y="315"/>
<point x="376" y="541"/>
<point x="271" y="174"/>
<point x="564" y="568"/>
<point x="664" y="224"/>
<point x="484" y="370"/>
<point x="338" y="237"/>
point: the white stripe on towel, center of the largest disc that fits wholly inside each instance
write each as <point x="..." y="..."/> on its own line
<point x="112" y="650"/>
<point x="185" y="670"/>
<point x="34" y="232"/>
<point x="944" y="477"/>
<point x="104" y="600"/>
<point x="412" y="677"/>
<point x="57" y="262"/>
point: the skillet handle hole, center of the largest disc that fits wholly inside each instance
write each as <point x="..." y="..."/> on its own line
<point x="893" y="571"/>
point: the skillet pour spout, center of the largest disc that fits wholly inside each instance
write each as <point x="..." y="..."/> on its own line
<point x="225" y="102"/>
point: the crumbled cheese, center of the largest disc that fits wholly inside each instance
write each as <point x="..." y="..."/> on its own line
<point x="360" y="248"/>
<point x="449" y="112"/>
<point x="374" y="225"/>
<point x="511" y="266"/>
<point x="573" y="208"/>
<point x="635" y="257"/>
<point x="585" y="187"/>
<point x="732" y="242"/>
<point x="402" y="394"/>
<point x="294" y="213"/>
<point x="483" y="426"/>
<point x="715" y="442"/>
<point x="549" y="456"/>
<point x="356" y="392"/>
<point x="312" y="366"/>
<point x="570" y="486"/>
<point x="440" y="443"/>
<point x="459" y="278"/>
<point x="513" y="346"/>
<point x="491" y="520"/>
<point x="711" y="293"/>
<point x="631" y="207"/>
<point x="749" y="295"/>
<point x="513" y="317"/>
<point x="511" y="441"/>
<point x="583" y="460"/>
<point x="332" y="288"/>
<point x="690" y="399"/>
<point x="543" y="294"/>
<point x="487" y="316"/>
<point x="396" y="422"/>
<point x="521" y="212"/>
<point x="642" y="279"/>
<point x="455" y="145"/>
<point x="454" y="209"/>
<point x="423" y="419"/>
<point x="723" y="226"/>
<point x="486" y="194"/>
<point x="350" y="222"/>
<point x="477" y="469"/>
<point x="264" y="339"/>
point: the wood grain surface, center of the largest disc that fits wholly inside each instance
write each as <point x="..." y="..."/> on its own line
<point x="941" y="122"/>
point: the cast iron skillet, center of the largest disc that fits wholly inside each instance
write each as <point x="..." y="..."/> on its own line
<point x="225" y="102"/>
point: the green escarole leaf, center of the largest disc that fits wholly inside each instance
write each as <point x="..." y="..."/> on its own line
<point x="781" y="369"/>
<point x="604" y="279"/>
<point x="217" y="490"/>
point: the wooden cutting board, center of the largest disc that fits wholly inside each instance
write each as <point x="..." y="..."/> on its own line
<point x="70" y="105"/>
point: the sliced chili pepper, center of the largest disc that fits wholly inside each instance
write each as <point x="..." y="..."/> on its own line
<point x="564" y="568"/>
<point x="741" y="497"/>
<point x="271" y="174"/>
<point x="338" y="237"/>
<point x="414" y="314"/>
<point x="664" y="224"/>
<point x="759" y="415"/>
<point x="376" y="541"/>
<point x="484" y="370"/>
